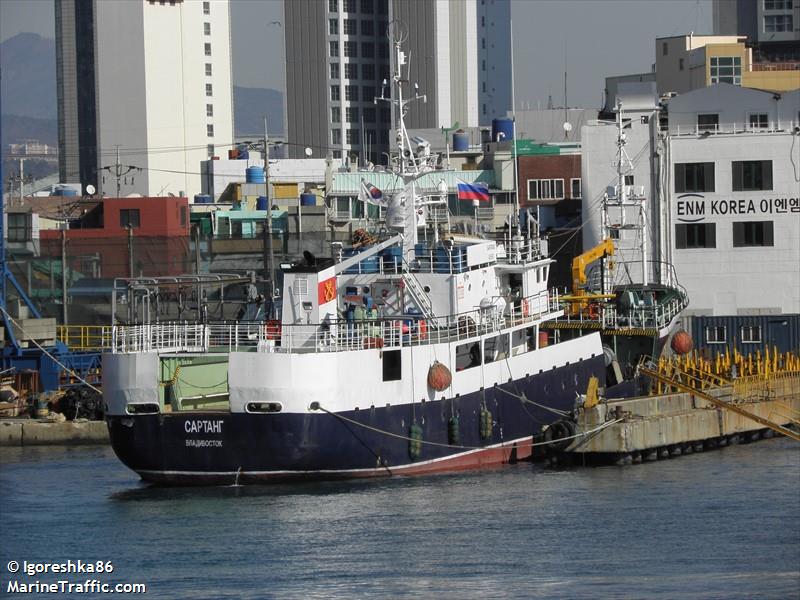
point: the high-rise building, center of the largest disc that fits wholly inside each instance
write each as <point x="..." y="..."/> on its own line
<point x="338" y="55"/>
<point x="148" y="81"/>
<point x="771" y="26"/>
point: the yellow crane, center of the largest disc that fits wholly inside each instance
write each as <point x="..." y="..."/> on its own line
<point x="580" y="298"/>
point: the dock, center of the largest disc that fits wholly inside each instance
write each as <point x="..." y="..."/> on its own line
<point x="40" y="432"/>
<point x="673" y="424"/>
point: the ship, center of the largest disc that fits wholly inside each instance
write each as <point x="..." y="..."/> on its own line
<point x="619" y="290"/>
<point x="396" y="356"/>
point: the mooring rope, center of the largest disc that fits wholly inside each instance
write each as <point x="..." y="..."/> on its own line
<point x="525" y="399"/>
<point x="318" y="406"/>
<point x="53" y="358"/>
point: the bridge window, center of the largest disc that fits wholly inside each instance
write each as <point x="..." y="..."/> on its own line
<point x="468" y="355"/>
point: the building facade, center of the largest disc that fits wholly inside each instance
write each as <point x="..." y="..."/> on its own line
<point x="771" y="26"/>
<point x="723" y="186"/>
<point x="688" y="62"/>
<point x="733" y="199"/>
<point x="338" y="56"/>
<point x="144" y="93"/>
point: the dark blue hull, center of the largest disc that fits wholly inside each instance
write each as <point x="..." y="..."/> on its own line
<point x="222" y="448"/>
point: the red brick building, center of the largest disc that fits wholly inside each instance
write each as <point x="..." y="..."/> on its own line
<point x="547" y="179"/>
<point x="99" y="243"/>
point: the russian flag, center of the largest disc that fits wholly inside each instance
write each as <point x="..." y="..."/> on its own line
<point x="473" y="191"/>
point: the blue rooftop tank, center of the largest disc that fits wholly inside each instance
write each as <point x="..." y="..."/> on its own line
<point x="255" y="175"/>
<point x="502" y="130"/>
<point x="460" y="141"/>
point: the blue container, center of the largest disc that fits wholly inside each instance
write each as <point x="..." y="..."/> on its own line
<point x="202" y="199"/>
<point x="368" y="265"/>
<point x="502" y="130"/>
<point x="392" y="259"/>
<point x="460" y="141"/>
<point x="262" y="203"/>
<point x="255" y="175"/>
<point x="65" y="191"/>
<point x="308" y="199"/>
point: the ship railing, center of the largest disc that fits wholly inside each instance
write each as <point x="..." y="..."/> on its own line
<point x="160" y="337"/>
<point x="412" y="330"/>
<point x="658" y="316"/>
<point x="334" y="336"/>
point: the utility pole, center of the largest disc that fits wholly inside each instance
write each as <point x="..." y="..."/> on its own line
<point x="21" y="181"/>
<point x="64" y="314"/>
<point x="118" y="172"/>
<point x="130" y="252"/>
<point x="566" y="113"/>
<point x="268" y="249"/>
<point x="199" y="290"/>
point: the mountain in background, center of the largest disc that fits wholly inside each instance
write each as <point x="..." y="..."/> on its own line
<point x="249" y="107"/>
<point x="28" y="63"/>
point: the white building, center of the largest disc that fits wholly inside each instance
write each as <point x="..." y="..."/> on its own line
<point x="148" y="79"/>
<point x="598" y="163"/>
<point x="732" y="194"/>
<point x="723" y="188"/>
<point x="338" y="55"/>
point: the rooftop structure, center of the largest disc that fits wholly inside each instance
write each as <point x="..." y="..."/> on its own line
<point x="685" y="63"/>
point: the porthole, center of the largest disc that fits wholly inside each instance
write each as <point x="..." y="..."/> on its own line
<point x="263" y="407"/>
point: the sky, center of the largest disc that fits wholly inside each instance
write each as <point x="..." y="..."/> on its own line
<point x="593" y="38"/>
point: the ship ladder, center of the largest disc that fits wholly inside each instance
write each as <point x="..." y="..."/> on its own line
<point x="420" y="297"/>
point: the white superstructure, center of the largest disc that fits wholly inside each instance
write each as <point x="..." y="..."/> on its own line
<point x="150" y="80"/>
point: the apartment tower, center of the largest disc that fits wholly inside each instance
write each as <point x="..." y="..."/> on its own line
<point x="338" y="55"/>
<point x="148" y="82"/>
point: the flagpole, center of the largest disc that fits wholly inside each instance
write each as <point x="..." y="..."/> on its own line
<point x="515" y="217"/>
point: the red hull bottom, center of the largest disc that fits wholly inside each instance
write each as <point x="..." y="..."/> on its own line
<point x="506" y="453"/>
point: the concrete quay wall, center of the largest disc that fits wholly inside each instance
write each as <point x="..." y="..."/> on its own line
<point x="660" y="421"/>
<point x="29" y="432"/>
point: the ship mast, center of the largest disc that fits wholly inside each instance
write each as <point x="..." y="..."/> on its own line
<point x="624" y="197"/>
<point x="411" y="163"/>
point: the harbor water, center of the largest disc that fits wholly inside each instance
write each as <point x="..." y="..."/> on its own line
<point x="722" y="524"/>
